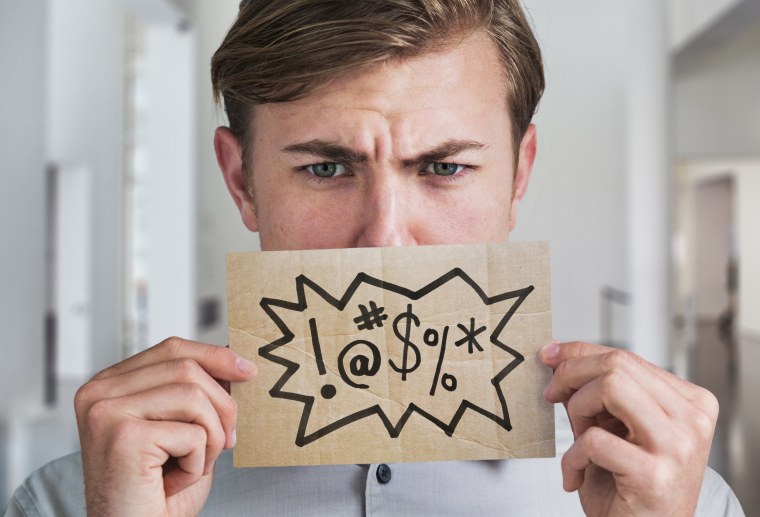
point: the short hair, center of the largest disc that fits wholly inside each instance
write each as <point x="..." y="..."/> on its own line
<point x="282" y="50"/>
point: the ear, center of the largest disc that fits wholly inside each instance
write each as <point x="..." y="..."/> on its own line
<point x="229" y="155"/>
<point x="522" y="175"/>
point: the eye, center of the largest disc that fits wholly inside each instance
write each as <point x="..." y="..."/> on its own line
<point x="444" y="169"/>
<point x="326" y="169"/>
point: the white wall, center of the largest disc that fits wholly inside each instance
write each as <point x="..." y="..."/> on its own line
<point x="748" y="190"/>
<point x="22" y="198"/>
<point x="220" y="229"/>
<point x="60" y="99"/>
<point x="576" y="198"/>
<point x="688" y="18"/>
<point x="717" y="111"/>
<point x="648" y="183"/>
<point x="85" y="52"/>
<point x="170" y="162"/>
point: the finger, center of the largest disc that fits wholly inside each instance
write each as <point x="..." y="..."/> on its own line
<point x="572" y="374"/>
<point x="621" y="396"/>
<point x="186" y="443"/>
<point x="605" y="450"/>
<point x="186" y="403"/>
<point x="555" y="354"/>
<point x="177" y="371"/>
<point x="218" y="361"/>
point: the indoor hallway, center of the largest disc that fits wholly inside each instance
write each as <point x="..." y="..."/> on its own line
<point x="736" y="449"/>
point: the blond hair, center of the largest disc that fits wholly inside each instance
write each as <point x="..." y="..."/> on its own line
<point x="282" y="50"/>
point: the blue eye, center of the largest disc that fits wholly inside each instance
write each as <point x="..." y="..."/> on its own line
<point x="326" y="169"/>
<point x="444" y="169"/>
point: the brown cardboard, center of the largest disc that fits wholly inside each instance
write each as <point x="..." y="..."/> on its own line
<point x="328" y="331"/>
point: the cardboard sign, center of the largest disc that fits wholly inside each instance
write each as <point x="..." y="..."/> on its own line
<point x="392" y="354"/>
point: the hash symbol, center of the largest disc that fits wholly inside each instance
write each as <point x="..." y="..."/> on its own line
<point x="369" y="318"/>
<point x="469" y="336"/>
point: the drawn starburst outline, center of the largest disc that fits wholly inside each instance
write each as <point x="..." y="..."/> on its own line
<point x="302" y="437"/>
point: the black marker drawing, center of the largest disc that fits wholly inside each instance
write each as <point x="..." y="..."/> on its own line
<point x="409" y="317"/>
<point x="360" y="365"/>
<point x="366" y="358"/>
<point x="470" y="336"/>
<point x="368" y="319"/>
<point x="449" y="382"/>
<point x="328" y="390"/>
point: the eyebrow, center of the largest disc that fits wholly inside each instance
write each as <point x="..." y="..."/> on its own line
<point x="444" y="151"/>
<point x="328" y="151"/>
<point x="342" y="154"/>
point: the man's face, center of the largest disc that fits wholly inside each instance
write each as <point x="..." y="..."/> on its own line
<point x="405" y="153"/>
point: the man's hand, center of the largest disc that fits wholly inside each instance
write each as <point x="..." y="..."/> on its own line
<point x="642" y="435"/>
<point x="152" y="426"/>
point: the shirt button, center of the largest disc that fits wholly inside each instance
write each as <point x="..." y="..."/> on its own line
<point x="383" y="473"/>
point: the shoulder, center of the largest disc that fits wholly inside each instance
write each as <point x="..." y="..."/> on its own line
<point x="55" y="489"/>
<point x="717" y="498"/>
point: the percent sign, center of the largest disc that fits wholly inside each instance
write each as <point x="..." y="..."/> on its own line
<point x="448" y="381"/>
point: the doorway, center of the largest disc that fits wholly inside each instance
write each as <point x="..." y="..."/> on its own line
<point x="716" y="267"/>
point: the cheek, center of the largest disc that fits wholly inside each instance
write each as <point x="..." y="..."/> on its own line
<point x="469" y="216"/>
<point x="295" y="223"/>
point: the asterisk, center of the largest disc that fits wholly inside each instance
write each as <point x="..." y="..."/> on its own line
<point x="469" y="336"/>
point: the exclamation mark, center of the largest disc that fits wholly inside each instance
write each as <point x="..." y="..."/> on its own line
<point x="328" y="390"/>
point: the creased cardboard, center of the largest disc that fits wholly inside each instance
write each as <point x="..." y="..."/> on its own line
<point x="392" y="354"/>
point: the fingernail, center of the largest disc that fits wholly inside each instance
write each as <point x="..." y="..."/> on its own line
<point x="233" y="438"/>
<point x="550" y="351"/>
<point x="245" y="365"/>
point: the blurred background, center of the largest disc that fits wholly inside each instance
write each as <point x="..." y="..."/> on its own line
<point x="115" y="220"/>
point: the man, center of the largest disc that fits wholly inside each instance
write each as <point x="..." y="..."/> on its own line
<point x="383" y="123"/>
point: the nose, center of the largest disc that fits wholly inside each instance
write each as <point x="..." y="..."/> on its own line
<point x="387" y="216"/>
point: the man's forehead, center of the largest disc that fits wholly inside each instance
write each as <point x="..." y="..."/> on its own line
<point x="455" y="88"/>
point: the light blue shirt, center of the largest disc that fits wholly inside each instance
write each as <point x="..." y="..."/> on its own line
<point x="502" y="487"/>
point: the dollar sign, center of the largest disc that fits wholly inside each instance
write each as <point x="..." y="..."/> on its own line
<point x="410" y="317"/>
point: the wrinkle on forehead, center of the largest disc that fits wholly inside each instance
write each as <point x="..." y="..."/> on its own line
<point x="382" y="110"/>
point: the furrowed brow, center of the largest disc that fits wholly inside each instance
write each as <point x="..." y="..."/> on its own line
<point x="327" y="150"/>
<point x="444" y="151"/>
